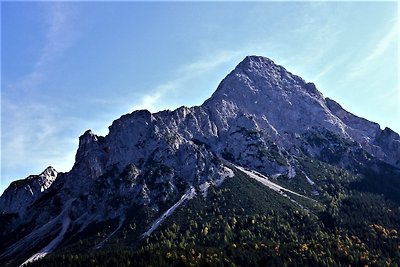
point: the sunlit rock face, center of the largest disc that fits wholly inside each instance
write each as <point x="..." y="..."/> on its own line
<point x="261" y="117"/>
<point x="22" y="193"/>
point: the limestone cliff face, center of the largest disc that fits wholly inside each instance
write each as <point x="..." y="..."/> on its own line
<point x="260" y="117"/>
<point x="22" y="193"/>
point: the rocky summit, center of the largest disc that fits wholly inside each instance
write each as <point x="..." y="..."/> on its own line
<point x="249" y="172"/>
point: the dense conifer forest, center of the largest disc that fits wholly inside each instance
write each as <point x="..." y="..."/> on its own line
<point x="243" y="223"/>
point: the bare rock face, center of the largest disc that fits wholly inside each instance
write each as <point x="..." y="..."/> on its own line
<point x="284" y="106"/>
<point x="389" y="142"/>
<point x="91" y="155"/>
<point x="279" y="101"/>
<point x="383" y="144"/>
<point x="21" y="193"/>
<point x="261" y="117"/>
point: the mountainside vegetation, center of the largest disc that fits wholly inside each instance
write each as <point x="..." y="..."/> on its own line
<point x="244" y="223"/>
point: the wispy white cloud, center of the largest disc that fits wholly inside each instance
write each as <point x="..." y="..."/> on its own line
<point x="323" y="35"/>
<point x="58" y="39"/>
<point x="35" y="137"/>
<point x="378" y="50"/>
<point x="323" y="38"/>
<point x="308" y="44"/>
<point x="383" y="44"/>
<point x="32" y="134"/>
<point x="157" y="99"/>
<point x="151" y="101"/>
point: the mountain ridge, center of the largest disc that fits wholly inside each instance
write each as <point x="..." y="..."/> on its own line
<point x="262" y="122"/>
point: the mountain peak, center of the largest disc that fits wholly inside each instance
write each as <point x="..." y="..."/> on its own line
<point x="273" y="95"/>
<point x="49" y="171"/>
<point x="261" y="122"/>
<point x="262" y="72"/>
<point x="21" y="193"/>
<point x="255" y="62"/>
<point x="266" y="67"/>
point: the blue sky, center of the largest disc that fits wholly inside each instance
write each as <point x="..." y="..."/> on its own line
<point x="68" y="67"/>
